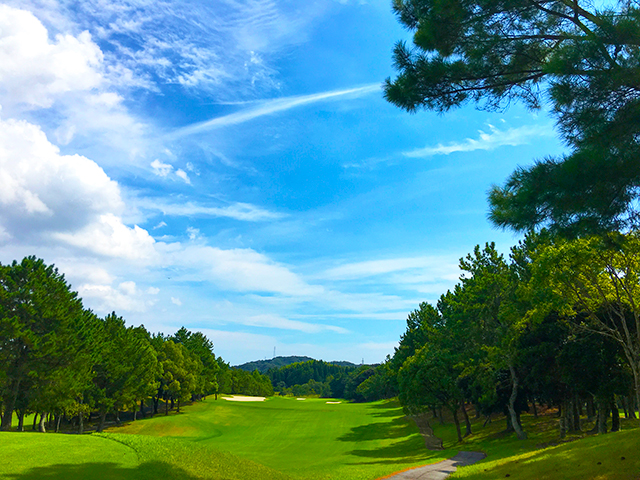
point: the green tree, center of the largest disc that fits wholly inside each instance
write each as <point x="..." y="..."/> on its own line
<point x="583" y="58"/>
<point x="200" y="346"/>
<point x="596" y="281"/>
<point x="43" y="329"/>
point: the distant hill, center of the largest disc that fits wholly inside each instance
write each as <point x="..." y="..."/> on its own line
<point x="263" y="365"/>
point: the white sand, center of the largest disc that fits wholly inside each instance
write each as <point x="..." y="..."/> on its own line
<point x="241" y="398"/>
<point x="333" y="403"/>
<point x="300" y="398"/>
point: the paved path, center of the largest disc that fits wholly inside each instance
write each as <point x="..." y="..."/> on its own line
<point x="440" y="470"/>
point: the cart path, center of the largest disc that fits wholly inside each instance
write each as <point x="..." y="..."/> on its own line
<point x="440" y="470"/>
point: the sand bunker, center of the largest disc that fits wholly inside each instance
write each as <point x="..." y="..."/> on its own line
<point x="300" y="398"/>
<point x="333" y="403"/>
<point x="241" y="398"/>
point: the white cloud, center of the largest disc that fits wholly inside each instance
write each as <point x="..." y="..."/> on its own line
<point x="69" y="198"/>
<point x="487" y="141"/>
<point x="269" y="107"/>
<point x="434" y="266"/>
<point x="166" y="169"/>
<point x="153" y="290"/>
<point x="242" y="270"/>
<point x="126" y="297"/>
<point x="110" y="237"/>
<point x="238" y="210"/>
<point x="176" y="301"/>
<point x="161" y="169"/>
<point x="34" y="70"/>
<point x="193" y="233"/>
<point x="183" y="175"/>
<point x="276" y="321"/>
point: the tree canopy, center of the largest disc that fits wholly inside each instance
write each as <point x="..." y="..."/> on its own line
<point x="584" y="60"/>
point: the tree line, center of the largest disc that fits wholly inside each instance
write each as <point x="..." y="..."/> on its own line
<point x="59" y="360"/>
<point x="316" y="377"/>
<point x="557" y="323"/>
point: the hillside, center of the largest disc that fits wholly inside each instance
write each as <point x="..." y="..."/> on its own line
<point x="263" y="365"/>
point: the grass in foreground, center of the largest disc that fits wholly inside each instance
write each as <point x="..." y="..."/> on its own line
<point x="542" y="457"/>
<point x="279" y="439"/>
<point x="307" y="439"/>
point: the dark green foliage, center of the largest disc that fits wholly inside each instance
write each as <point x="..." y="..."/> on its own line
<point x="583" y="59"/>
<point x="263" y="365"/>
<point x="300" y="373"/>
<point x="43" y="338"/>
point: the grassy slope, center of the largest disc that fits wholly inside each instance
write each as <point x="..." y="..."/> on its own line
<point x="306" y="439"/>
<point x="532" y="459"/>
<point x="285" y="439"/>
<point x="279" y="439"/>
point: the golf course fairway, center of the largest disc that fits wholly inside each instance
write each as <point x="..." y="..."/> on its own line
<point x="279" y="438"/>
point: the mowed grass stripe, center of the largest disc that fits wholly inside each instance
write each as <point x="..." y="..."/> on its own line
<point x="307" y="439"/>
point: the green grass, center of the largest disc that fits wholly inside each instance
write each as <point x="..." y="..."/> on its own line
<point x="279" y="439"/>
<point x="287" y="439"/>
<point x="305" y="439"/>
<point x="541" y="456"/>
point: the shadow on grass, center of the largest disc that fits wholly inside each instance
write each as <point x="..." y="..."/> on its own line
<point x="104" y="471"/>
<point x="397" y="428"/>
<point x="409" y="450"/>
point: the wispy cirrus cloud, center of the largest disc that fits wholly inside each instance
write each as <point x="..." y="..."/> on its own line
<point x="270" y="107"/>
<point x="238" y="211"/>
<point x="486" y="140"/>
<point x="434" y="265"/>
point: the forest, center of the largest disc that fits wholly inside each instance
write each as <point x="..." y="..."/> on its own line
<point x="63" y="363"/>
<point x="554" y="325"/>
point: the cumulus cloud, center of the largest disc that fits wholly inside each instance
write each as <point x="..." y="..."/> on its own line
<point x="125" y="297"/>
<point x="45" y="195"/>
<point x="35" y="70"/>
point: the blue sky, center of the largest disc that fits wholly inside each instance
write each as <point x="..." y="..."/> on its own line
<point x="231" y="166"/>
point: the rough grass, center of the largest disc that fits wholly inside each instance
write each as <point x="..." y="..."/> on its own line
<point x="542" y="456"/>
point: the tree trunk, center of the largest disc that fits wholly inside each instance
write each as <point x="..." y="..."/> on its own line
<point x="487" y="421"/>
<point x="172" y="403"/>
<point x="118" y="417"/>
<point x="454" y="411"/>
<point x="440" y="416"/>
<point x="35" y="421"/>
<point x="135" y="415"/>
<point x="41" y="426"/>
<point x="80" y="423"/>
<point x="142" y="408"/>
<point x="575" y="411"/>
<point x="563" y="423"/>
<point x="58" y="418"/>
<point x="156" y="400"/>
<point x="467" y="422"/>
<point x="591" y="411"/>
<point x="7" y="417"/>
<point x="21" y="421"/>
<point x="178" y="403"/>
<point x="520" y="433"/>
<point x="166" y="407"/>
<point x="603" y="414"/>
<point x="615" y="416"/>
<point x="535" y="409"/>
<point x="103" y="415"/>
